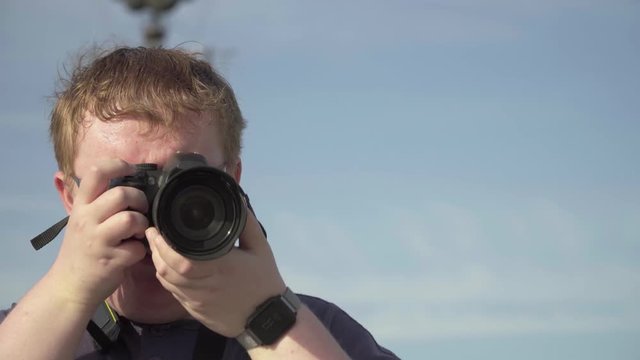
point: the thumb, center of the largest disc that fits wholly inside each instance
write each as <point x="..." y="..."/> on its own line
<point x="252" y="237"/>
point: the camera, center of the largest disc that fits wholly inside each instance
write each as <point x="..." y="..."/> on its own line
<point x="198" y="209"/>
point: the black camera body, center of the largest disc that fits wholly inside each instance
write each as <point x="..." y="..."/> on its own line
<point x="198" y="209"/>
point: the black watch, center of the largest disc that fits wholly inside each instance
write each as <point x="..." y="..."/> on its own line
<point x="271" y="320"/>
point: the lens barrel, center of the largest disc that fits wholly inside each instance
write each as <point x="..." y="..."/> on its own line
<point x="200" y="212"/>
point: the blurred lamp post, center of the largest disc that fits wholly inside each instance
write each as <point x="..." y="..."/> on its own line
<point x="154" y="33"/>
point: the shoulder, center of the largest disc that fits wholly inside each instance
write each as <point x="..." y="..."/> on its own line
<point x="354" y="338"/>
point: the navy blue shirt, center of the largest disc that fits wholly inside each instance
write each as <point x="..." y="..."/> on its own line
<point x="177" y="340"/>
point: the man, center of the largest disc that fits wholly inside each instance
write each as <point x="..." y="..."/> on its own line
<point x="138" y="105"/>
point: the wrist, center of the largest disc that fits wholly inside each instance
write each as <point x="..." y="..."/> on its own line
<point x="309" y="338"/>
<point x="66" y="296"/>
<point x="270" y="321"/>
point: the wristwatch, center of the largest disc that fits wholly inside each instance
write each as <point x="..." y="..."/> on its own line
<point x="271" y="320"/>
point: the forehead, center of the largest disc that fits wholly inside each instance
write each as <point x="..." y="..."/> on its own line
<point x="135" y="141"/>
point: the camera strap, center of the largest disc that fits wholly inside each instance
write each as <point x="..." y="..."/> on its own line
<point x="107" y="328"/>
<point x="104" y="327"/>
<point x="209" y="345"/>
<point x="48" y="235"/>
<point x="246" y="198"/>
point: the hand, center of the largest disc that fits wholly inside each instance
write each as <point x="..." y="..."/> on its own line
<point x="220" y="293"/>
<point x="99" y="240"/>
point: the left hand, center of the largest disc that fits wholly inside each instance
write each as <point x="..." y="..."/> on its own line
<point x="220" y="293"/>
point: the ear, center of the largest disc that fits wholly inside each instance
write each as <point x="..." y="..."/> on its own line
<point x="236" y="170"/>
<point x="65" y="192"/>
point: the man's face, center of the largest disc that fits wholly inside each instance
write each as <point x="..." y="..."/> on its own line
<point x="141" y="297"/>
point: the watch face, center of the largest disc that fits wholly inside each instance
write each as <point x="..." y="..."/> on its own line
<point x="272" y="322"/>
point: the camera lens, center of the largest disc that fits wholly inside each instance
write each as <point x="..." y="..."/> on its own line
<point x="200" y="212"/>
<point x="197" y="212"/>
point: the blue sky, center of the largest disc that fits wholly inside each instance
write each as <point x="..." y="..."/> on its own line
<point x="461" y="176"/>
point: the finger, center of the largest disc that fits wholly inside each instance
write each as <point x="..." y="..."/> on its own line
<point x="168" y="274"/>
<point x="179" y="264"/>
<point x="151" y="233"/>
<point x="163" y="270"/>
<point x="96" y="180"/>
<point x="129" y="252"/>
<point x="123" y="225"/>
<point x="160" y="247"/>
<point x="118" y="199"/>
<point x="252" y="237"/>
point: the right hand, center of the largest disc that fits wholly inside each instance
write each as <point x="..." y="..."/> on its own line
<point x="100" y="239"/>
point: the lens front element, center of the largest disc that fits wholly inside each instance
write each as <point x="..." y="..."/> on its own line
<point x="198" y="212"/>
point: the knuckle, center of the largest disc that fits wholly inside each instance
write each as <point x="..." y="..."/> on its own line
<point x="161" y="270"/>
<point x="119" y="196"/>
<point x="143" y="222"/>
<point x="139" y="199"/>
<point x="184" y="268"/>
<point x="128" y="219"/>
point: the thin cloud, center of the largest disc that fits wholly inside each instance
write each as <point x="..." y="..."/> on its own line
<point x="467" y="286"/>
<point x="478" y="304"/>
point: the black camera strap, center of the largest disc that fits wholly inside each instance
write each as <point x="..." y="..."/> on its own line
<point x="102" y="340"/>
<point x="246" y="197"/>
<point x="48" y="235"/>
<point x="209" y="345"/>
<point x="107" y="329"/>
<point x="104" y="327"/>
